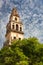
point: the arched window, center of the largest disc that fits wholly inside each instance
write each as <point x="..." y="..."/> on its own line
<point x="15" y="18"/>
<point x="14" y="37"/>
<point x="19" y="38"/>
<point x="12" y="26"/>
<point x="17" y="27"/>
<point x="20" y="28"/>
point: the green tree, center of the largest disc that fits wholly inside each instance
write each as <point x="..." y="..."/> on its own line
<point x="22" y="52"/>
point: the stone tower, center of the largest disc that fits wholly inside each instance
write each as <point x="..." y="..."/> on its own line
<point x="14" y="29"/>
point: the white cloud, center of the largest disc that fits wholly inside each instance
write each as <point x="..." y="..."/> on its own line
<point x="31" y="4"/>
<point x="30" y="14"/>
<point x="0" y="13"/>
<point x="7" y="2"/>
<point x="1" y="3"/>
<point x="3" y="23"/>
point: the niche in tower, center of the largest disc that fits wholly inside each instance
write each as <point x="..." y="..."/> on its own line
<point x="20" y="28"/>
<point x="13" y="26"/>
<point x="17" y="27"/>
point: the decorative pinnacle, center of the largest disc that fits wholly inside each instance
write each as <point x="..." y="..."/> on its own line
<point x="15" y="12"/>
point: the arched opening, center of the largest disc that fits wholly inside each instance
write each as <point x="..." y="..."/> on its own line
<point x="12" y="26"/>
<point x="17" y="27"/>
<point x="14" y="37"/>
<point x="15" y="18"/>
<point x="19" y="38"/>
<point x="20" y="28"/>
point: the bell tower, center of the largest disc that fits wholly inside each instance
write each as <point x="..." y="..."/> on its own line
<point x="14" y="29"/>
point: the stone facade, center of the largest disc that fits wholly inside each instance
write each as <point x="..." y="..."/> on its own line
<point x="14" y="29"/>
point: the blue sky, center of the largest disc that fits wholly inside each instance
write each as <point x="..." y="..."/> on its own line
<point x="31" y="13"/>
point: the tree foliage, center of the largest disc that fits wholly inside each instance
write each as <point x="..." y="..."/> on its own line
<point x="22" y="52"/>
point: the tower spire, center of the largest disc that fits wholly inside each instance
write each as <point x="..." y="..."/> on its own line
<point x="14" y="12"/>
